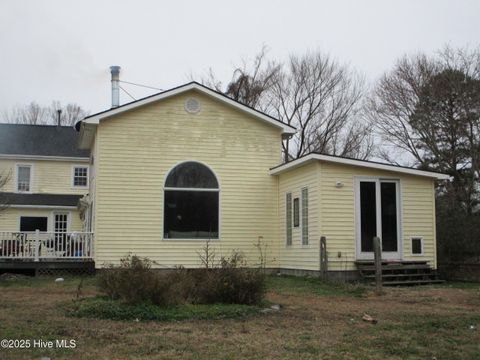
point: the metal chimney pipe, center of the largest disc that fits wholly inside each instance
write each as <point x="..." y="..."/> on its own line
<point x="115" y="71"/>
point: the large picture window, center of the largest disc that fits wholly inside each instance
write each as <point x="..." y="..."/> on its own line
<point x="191" y="203"/>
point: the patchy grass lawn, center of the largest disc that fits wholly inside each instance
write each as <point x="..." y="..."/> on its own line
<point x="104" y="308"/>
<point x="317" y="320"/>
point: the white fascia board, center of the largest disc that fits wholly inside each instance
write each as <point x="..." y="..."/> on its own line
<point x="286" y="129"/>
<point x="43" y="157"/>
<point x="366" y="164"/>
<point x="41" y="207"/>
<point x="87" y="134"/>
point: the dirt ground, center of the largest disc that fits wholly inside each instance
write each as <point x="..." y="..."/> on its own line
<point x="316" y="321"/>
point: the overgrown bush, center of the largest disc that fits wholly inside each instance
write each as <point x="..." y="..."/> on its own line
<point x="229" y="282"/>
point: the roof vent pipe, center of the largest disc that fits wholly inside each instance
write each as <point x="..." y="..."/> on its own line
<point x="59" y="117"/>
<point x="115" y="71"/>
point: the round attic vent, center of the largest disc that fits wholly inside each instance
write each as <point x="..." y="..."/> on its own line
<point x="192" y="106"/>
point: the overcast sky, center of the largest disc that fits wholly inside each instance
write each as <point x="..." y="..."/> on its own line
<point x="61" y="50"/>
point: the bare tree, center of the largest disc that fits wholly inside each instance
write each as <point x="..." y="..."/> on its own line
<point x="251" y="84"/>
<point x="429" y="108"/>
<point x="71" y="113"/>
<point x="322" y="99"/>
<point x="34" y="114"/>
<point x="313" y="93"/>
<point x="250" y="81"/>
<point x="393" y="102"/>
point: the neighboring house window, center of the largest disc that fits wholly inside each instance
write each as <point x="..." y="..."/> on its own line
<point x="33" y="223"/>
<point x="305" y="216"/>
<point x="80" y="176"/>
<point x="288" y="216"/>
<point x="296" y="213"/>
<point x="191" y="203"/>
<point x="24" y="182"/>
<point x="60" y="226"/>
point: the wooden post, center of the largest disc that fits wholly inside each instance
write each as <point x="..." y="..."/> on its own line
<point x="323" y="258"/>
<point x="37" y="244"/>
<point x="377" y="250"/>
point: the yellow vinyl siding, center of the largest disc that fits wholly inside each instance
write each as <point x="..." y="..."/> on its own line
<point x="332" y="214"/>
<point x="10" y="218"/>
<point x="47" y="176"/>
<point x="337" y="219"/>
<point x="298" y="256"/>
<point x="136" y="150"/>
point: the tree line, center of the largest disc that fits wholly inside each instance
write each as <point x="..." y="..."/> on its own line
<point x="35" y="114"/>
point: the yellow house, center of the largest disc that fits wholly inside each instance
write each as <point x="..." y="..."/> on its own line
<point x="44" y="175"/>
<point x="175" y="169"/>
<point x="160" y="176"/>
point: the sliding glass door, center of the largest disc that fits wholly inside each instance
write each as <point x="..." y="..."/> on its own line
<point x="377" y="214"/>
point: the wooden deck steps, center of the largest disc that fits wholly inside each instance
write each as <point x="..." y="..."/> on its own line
<point x="396" y="273"/>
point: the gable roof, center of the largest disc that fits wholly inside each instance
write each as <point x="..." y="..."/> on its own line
<point x="354" y="162"/>
<point x="95" y="118"/>
<point x="40" y="140"/>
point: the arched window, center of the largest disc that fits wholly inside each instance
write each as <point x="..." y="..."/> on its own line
<point x="191" y="203"/>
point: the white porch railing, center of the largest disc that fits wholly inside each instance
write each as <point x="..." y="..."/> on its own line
<point x="39" y="245"/>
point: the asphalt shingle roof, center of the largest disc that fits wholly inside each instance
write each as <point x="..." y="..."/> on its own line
<point x="38" y="199"/>
<point x="40" y="140"/>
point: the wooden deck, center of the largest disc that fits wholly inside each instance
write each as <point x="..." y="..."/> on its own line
<point x="46" y="253"/>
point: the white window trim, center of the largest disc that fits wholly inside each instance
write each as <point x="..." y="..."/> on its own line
<point x="73" y="176"/>
<point x="69" y="219"/>
<point x="190" y="189"/>
<point x="398" y="255"/>
<point x="15" y="183"/>
<point x="165" y="188"/>
<point x="421" y="245"/>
